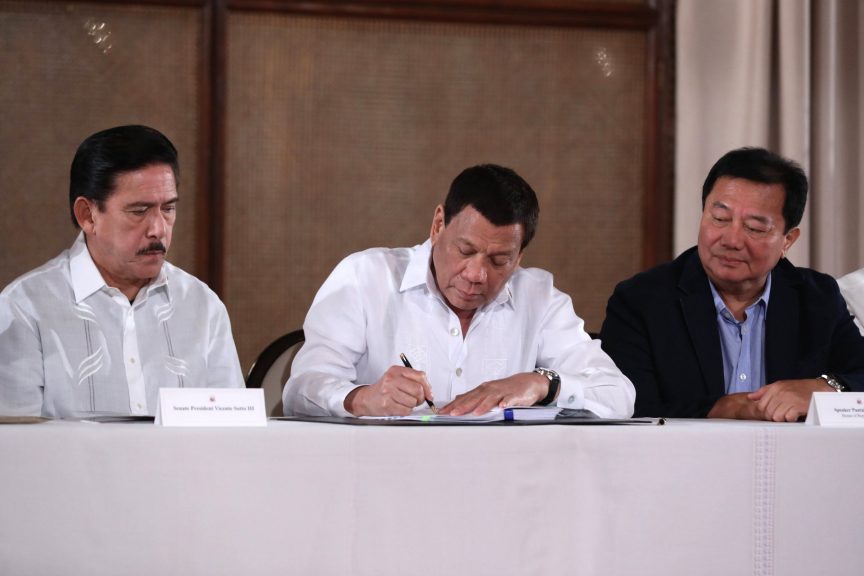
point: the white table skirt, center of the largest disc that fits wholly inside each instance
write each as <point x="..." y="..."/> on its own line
<point x="690" y="498"/>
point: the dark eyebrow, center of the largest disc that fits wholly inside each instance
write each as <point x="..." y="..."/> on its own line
<point x="466" y="243"/>
<point x="174" y="200"/>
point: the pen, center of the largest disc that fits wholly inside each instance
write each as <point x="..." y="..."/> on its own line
<point x="408" y="365"/>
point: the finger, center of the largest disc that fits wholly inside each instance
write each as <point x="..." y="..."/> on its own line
<point x="426" y="388"/>
<point x="463" y="404"/>
<point x="775" y="408"/>
<point x="404" y="393"/>
<point x="767" y="396"/>
<point x="416" y="390"/>
<point x="487" y="403"/>
<point x="757" y="395"/>
<point x="780" y="412"/>
<point x="793" y="414"/>
<point x="420" y="378"/>
<point x="446" y="408"/>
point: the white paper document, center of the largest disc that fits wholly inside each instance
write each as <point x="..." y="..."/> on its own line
<point x="534" y="413"/>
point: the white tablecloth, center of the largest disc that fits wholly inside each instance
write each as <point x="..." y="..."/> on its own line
<point x="689" y="498"/>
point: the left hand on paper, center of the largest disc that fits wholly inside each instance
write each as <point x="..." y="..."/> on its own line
<point x="523" y="389"/>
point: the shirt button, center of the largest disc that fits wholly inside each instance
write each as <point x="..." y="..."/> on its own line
<point x="458" y="371"/>
<point x="139" y="406"/>
<point x="571" y="399"/>
<point x="131" y="360"/>
<point x="454" y="331"/>
<point x="742" y="377"/>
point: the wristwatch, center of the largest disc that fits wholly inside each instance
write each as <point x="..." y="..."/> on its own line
<point x="834" y="383"/>
<point x="554" y="384"/>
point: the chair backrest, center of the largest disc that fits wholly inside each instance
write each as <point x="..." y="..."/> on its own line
<point x="272" y="368"/>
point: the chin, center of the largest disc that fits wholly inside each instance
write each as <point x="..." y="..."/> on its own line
<point x="151" y="271"/>
<point x="463" y="304"/>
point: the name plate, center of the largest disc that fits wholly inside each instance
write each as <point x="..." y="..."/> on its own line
<point x="836" y="409"/>
<point x="211" y="407"/>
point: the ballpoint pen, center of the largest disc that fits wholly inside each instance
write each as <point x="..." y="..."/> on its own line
<point x="408" y="365"/>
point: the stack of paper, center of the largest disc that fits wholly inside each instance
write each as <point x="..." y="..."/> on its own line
<point x="522" y="413"/>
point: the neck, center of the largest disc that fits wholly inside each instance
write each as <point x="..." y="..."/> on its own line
<point x="465" y="317"/>
<point x="737" y="301"/>
<point x="128" y="289"/>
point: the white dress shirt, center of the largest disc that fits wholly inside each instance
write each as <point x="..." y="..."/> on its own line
<point x="852" y="288"/>
<point x="381" y="302"/>
<point x="70" y="345"/>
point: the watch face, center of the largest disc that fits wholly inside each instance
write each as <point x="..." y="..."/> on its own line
<point x="833" y="382"/>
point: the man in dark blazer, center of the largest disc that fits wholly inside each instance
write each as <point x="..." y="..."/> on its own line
<point x="730" y="328"/>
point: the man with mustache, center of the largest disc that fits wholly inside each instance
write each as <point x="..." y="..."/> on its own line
<point x="731" y="329"/>
<point x="478" y="331"/>
<point x="101" y="327"/>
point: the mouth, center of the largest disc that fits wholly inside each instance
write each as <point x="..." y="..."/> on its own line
<point x="467" y="295"/>
<point x="152" y="253"/>
<point x="730" y="262"/>
<point x="153" y="250"/>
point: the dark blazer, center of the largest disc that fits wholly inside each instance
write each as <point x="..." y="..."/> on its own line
<point x="661" y="331"/>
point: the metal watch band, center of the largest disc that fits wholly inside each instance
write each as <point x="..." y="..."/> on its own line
<point x="554" y="384"/>
<point x="833" y="382"/>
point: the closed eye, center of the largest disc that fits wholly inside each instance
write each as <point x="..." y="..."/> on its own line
<point x="756" y="230"/>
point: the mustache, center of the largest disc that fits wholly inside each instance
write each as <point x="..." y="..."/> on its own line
<point x="153" y="247"/>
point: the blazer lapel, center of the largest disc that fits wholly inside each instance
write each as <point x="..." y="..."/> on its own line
<point x="782" y="324"/>
<point x="700" y="316"/>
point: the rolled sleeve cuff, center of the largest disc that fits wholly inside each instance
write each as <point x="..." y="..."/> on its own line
<point x="606" y="395"/>
<point x="336" y="400"/>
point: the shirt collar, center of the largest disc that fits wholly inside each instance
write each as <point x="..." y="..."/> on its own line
<point x="720" y="306"/>
<point x="419" y="273"/>
<point x="86" y="278"/>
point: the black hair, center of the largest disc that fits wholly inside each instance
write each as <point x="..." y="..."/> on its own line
<point x="499" y="194"/>
<point x="760" y="165"/>
<point x="102" y="157"/>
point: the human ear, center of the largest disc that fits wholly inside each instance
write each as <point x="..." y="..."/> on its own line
<point x="84" y="214"/>
<point x="437" y="223"/>
<point x="790" y="239"/>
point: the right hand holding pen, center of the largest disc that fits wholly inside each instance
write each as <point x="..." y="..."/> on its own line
<point x="396" y="393"/>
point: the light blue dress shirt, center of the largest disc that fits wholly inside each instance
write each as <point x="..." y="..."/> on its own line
<point x="743" y="343"/>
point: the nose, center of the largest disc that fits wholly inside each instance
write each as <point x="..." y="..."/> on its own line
<point x="157" y="224"/>
<point x="733" y="236"/>
<point x="475" y="270"/>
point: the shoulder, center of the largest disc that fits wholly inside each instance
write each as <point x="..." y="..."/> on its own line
<point x="808" y="281"/>
<point x="533" y="293"/>
<point x="532" y="279"/>
<point x="376" y="258"/>
<point x="49" y="278"/>
<point x="662" y="280"/>
<point x="373" y="265"/>
<point x="186" y="288"/>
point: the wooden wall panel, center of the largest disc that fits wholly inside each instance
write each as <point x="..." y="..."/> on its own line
<point x="59" y="86"/>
